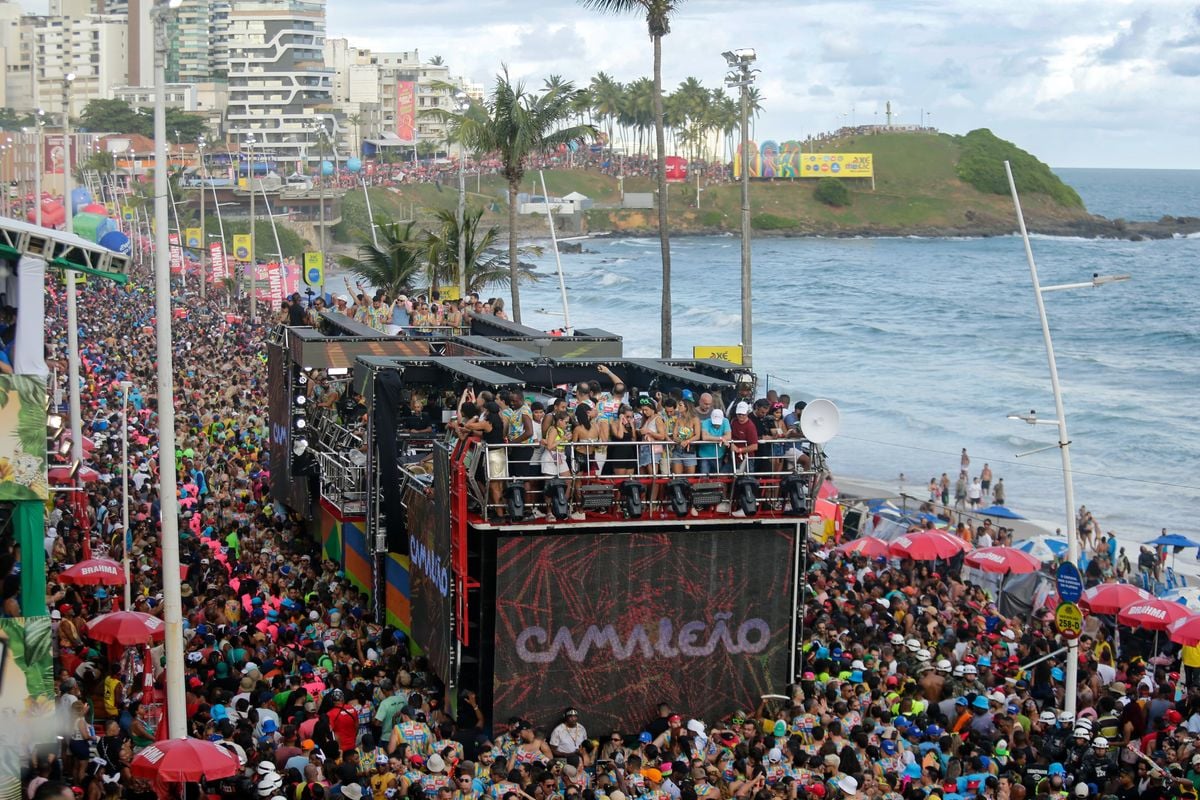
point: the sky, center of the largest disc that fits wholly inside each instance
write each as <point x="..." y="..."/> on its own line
<point x="1079" y="83"/>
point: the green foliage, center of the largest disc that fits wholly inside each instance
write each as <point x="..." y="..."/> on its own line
<point x="485" y="268"/>
<point x="772" y="222"/>
<point x="117" y="116"/>
<point x="355" y="225"/>
<point x="832" y="192"/>
<point x="292" y="243"/>
<point x="981" y="164"/>
<point x="394" y="265"/>
<point x="11" y="120"/>
<point x="712" y="219"/>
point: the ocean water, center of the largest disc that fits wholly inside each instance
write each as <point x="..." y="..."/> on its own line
<point x="927" y="344"/>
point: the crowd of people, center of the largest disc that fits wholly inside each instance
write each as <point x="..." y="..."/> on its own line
<point x="913" y="684"/>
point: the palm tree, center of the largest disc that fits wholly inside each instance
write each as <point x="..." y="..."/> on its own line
<point x="483" y="266"/>
<point x="356" y="120"/>
<point x="392" y="265"/>
<point x="437" y="61"/>
<point x="607" y="97"/>
<point x="658" y="23"/>
<point x="514" y="124"/>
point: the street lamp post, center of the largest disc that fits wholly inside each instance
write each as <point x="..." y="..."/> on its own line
<point x="169" y="510"/>
<point x="203" y="232"/>
<point x="40" y="119"/>
<point x="741" y="76"/>
<point x="125" y="387"/>
<point x="1064" y="441"/>
<point x="461" y="104"/>
<point x="72" y="289"/>
<point x="252" y="262"/>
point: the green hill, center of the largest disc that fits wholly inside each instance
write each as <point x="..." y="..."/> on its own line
<point x="925" y="184"/>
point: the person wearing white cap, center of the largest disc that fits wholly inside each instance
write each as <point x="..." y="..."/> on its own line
<point x="713" y="428"/>
<point x="848" y="785"/>
<point x="744" y="434"/>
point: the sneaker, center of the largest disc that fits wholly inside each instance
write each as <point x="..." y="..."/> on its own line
<point x="722" y="508"/>
<point x="578" y="515"/>
<point x="738" y="513"/>
<point x="538" y="515"/>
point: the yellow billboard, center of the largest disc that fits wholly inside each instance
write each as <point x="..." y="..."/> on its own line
<point x="192" y="237"/>
<point x="241" y="246"/>
<point x="722" y="352"/>
<point x="837" y="165"/>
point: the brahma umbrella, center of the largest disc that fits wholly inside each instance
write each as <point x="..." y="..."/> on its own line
<point x="1110" y="598"/>
<point x="185" y="761"/>
<point x="1185" y="631"/>
<point x="867" y="546"/>
<point x="94" y="572"/>
<point x="1003" y="560"/>
<point x="927" y="546"/>
<point x="126" y="628"/>
<point x="62" y="475"/>
<point x="1152" y="615"/>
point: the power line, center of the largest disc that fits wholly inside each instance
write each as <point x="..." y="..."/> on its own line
<point x="1025" y="464"/>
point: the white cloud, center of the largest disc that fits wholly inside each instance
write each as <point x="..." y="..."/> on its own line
<point x="1078" y="82"/>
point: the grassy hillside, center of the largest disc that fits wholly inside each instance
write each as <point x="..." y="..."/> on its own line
<point x="924" y="184"/>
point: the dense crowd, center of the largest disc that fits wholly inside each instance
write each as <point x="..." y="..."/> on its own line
<point x="914" y="686"/>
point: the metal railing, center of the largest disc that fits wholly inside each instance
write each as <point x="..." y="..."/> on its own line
<point x="343" y="482"/>
<point x="610" y="481"/>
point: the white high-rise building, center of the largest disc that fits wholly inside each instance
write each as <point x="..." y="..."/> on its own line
<point x="278" y="82"/>
<point x="92" y="47"/>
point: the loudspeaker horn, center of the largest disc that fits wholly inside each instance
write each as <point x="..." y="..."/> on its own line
<point x="820" y="421"/>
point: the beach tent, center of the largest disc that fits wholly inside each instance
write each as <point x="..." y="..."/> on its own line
<point x="999" y="512"/>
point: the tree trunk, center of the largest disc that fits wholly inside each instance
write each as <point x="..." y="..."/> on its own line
<point x="513" y="264"/>
<point x="664" y="235"/>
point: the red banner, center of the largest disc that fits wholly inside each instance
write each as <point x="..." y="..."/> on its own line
<point x="275" y="281"/>
<point x="406" y="110"/>
<point x="677" y="169"/>
<point x="176" y="253"/>
<point x="220" y="270"/>
<point x="55" y="153"/>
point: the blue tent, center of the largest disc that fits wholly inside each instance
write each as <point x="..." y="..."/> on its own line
<point x="1001" y="512"/>
<point x="1173" y="540"/>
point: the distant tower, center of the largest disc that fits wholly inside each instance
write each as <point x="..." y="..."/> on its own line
<point x="889" y="113"/>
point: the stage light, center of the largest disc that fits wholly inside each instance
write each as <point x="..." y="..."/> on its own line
<point x="795" y="489"/>
<point x="301" y="424"/>
<point x="301" y="400"/>
<point x="677" y="493"/>
<point x="556" y="498"/>
<point x="64" y="447"/>
<point x="631" y="499"/>
<point x="707" y="495"/>
<point x="745" y="494"/>
<point x="514" y="501"/>
<point x="55" y="423"/>
<point x="596" y="497"/>
<point x="302" y="380"/>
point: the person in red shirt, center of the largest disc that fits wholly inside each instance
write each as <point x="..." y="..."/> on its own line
<point x="745" y="434"/>
<point x="343" y="721"/>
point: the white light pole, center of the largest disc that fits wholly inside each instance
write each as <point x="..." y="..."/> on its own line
<point x="253" y="261"/>
<point x="741" y="76"/>
<point x="461" y="104"/>
<point x="72" y="289"/>
<point x="169" y="509"/>
<point x="125" y="387"/>
<point x="1064" y="442"/>
<point x="39" y="117"/>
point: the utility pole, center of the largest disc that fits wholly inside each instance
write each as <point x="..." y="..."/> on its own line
<point x="72" y="288"/>
<point x="742" y="76"/>
<point x="253" y="262"/>
<point x="462" y="103"/>
<point x="203" y="230"/>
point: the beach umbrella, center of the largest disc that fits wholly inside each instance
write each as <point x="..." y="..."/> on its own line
<point x="999" y="512"/>
<point x="1109" y="598"/>
<point x="867" y="546"/>
<point x="927" y="546"/>
<point x="1043" y="548"/>
<point x="1152" y="615"/>
<point x="1003" y="560"/>
<point x="185" y="761"/>
<point x="1184" y="595"/>
<point x="61" y="475"/>
<point x="1185" y="631"/>
<point x="126" y="628"/>
<point x="1173" y="540"/>
<point x="94" y="572"/>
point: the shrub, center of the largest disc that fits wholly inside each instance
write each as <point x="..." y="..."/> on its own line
<point x="981" y="164"/>
<point x="772" y="222"/>
<point x="832" y="192"/>
<point x="711" y="219"/>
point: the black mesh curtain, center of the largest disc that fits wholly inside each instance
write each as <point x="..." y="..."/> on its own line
<point x="388" y="386"/>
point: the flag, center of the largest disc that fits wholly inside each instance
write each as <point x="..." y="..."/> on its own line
<point x="220" y="270"/>
<point x="176" y="253"/>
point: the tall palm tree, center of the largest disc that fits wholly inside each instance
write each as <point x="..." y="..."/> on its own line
<point x="437" y="61"/>
<point x="357" y="121"/>
<point x="607" y="97"/>
<point x="515" y="123"/>
<point x="393" y="265"/>
<point x="658" y="24"/>
<point x="484" y="267"/>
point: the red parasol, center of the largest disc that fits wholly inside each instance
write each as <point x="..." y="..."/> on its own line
<point x="1186" y="631"/>
<point x="1152" y="615"/>
<point x="1109" y="598"/>
<point x="927" y="545"/>
<point x="61" y="475"/>
<point x="867" y="546"/>
<point x="1002" y="560"/>
<point x="185" y="761"/>
<point x="94" y="572"/>
<point x="126" y="628"/>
